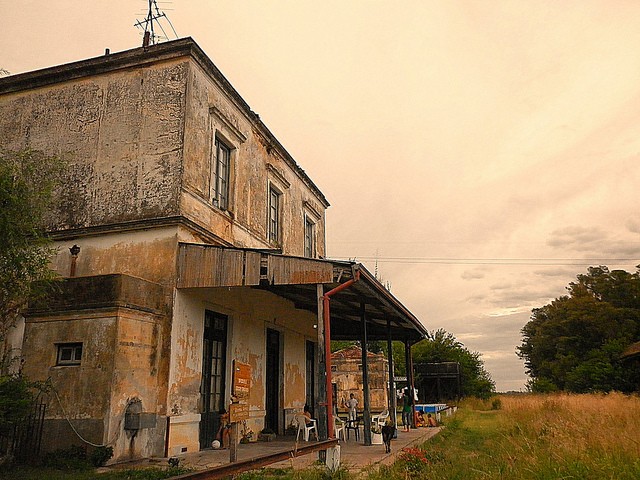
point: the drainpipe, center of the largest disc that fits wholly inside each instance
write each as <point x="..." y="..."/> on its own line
<point x="326" y="317"/>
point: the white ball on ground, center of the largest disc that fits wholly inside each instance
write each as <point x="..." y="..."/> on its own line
<point x="215" y="444"/>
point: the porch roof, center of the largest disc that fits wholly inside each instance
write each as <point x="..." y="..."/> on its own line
<point x="296" y="278"/>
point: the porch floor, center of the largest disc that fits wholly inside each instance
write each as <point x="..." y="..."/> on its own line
<point x="354" y="455"/>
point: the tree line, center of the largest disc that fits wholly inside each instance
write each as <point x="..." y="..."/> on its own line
<point x="576" y="342"/>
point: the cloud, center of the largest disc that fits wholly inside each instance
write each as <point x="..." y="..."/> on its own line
<point x="579" y="238"/>
<point x="478" y="298"/>
<point x="500" y="286"/>
<point x="633" y="224"/>
<point x="507" y="312"/>
<point x="555" y="272"/>
<point x="472" y="275"/>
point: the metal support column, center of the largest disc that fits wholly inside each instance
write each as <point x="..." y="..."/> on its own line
<point x="365" y="378"/>
<point x="393" y="401"/>
<point x="409" y="367"/>
<point x="321" y="374"/>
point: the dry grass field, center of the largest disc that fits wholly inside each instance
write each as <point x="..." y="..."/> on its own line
<point x="538" y="437"/>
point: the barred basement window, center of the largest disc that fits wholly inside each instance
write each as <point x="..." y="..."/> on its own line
<point x="69" y="354"/>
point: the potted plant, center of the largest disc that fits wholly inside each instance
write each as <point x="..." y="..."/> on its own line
<point x="246" y="433"/>
<point x="266" y="435"/>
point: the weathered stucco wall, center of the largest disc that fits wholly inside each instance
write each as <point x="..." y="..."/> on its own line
<point x="148" y="254"/>
<point x="137" y="377"/>
<point x="77" y="385"/>
<point x="347" y="376"/>
<point x="121" y="362"/>
<point x="121" y="133"/>
<point x="250" y="313"/>
<point x="255" y="165"/>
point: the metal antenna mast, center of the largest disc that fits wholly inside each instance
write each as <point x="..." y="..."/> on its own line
<point x="153" y="21"/>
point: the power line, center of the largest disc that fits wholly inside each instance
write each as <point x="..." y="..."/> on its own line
<point x="500" y="261"/>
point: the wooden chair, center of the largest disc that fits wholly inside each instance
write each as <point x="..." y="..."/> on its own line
<point x="306" y="429"/>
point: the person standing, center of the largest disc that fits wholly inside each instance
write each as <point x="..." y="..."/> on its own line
<point x="407" y="402"/>
<point x="352" y="405"/>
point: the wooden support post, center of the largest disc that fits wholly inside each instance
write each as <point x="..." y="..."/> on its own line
<point x="365" y="378"/>
<point x="233" y="442"/>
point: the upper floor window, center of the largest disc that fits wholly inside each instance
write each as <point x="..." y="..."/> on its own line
<point x="309" y="237"/>
<point x="69" y="354"/>
<point x="220" y="180"/>
<point x="274" y="215"/>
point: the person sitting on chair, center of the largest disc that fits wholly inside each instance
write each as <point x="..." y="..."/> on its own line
<point x="307" y="414"/>
<point x="225" y="428"/>
<point x="431" y="422"/>
<point x="420" y="421"/>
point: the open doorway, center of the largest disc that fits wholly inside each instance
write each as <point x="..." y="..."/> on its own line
<point x="272" y="390"/>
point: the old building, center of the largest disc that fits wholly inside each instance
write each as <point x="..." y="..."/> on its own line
<point x="346" y="369"/>
<point x="190" y="246"/>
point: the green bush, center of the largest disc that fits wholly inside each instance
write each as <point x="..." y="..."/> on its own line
<point x="15" y="400"/>
<point x="72" y="458"/>
<point x="100" y="455"/>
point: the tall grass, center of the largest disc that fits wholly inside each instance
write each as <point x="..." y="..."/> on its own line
<point x="531" y="437"/>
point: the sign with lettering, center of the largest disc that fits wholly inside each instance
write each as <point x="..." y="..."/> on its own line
<point x="239" y="408"/>
<point x="238" y="412"/>
<point x="241" y="380"/>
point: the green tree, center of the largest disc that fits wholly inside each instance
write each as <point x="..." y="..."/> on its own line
<point x="575" y="342"/>
<point x="27" y="182"/>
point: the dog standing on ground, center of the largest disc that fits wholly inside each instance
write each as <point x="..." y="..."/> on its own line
<point x="387" y="435"/>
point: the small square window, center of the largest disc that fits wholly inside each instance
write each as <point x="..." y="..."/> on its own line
<point x="69" y="354"/>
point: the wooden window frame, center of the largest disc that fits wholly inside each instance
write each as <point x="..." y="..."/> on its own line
<point x="221" y="174"/>
<point x="274" y="216"/>
<point x="74" y="348"/>
<point x="310" y="241"/>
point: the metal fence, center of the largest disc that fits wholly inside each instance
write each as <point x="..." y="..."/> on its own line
<point x="24" y="437"/>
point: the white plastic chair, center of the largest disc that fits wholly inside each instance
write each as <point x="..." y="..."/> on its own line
<point x="306" y="429"/>
<point x="380" y="419"/>
<point x="338" y="428"/>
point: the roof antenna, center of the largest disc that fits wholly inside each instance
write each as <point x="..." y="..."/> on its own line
<point x="153" y="21"/>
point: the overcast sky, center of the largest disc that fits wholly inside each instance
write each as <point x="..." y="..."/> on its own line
<point x="485" y="153"/>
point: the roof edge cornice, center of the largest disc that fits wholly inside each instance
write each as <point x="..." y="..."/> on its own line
<point x="141" y="56"/>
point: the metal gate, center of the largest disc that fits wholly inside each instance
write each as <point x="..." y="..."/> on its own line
<point x="24" y="437"/>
